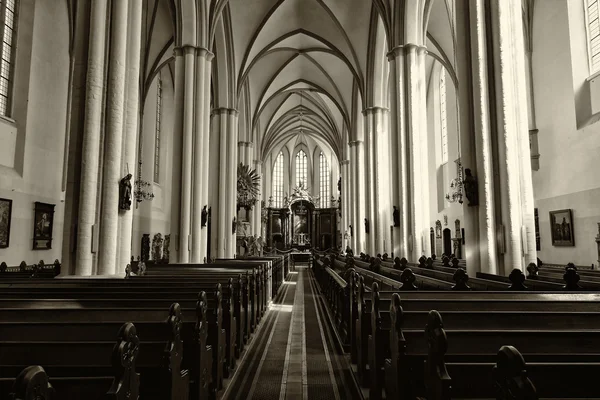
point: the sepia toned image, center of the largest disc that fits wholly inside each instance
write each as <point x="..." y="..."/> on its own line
<point x="299" y="199"/>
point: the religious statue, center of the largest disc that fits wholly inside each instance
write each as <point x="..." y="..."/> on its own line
<point x="157" y="248"/>
<point x="470" y="184"/>
<point x="204" y="217"/>
<point x="125" y="193"/>
<point x="366" y="225"/>
<point x="396" y="216"/>
<point x="233" y="226"/>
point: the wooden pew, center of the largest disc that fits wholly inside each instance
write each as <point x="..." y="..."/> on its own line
<point x="492" y="313"/>
<point x="81" y="367"/>
<point x="223" y="303"/>
<point x="41" y="270"/>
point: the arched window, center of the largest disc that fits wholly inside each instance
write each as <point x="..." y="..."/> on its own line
<point x="443" y="124"/>
<point x="593" y="30"/>
<point x="157" y="130"/>
<point x="324" y="191"/>
<point x="278" y="181"/>
<point x="301" y="174"/>
<point x="8" y="16"/>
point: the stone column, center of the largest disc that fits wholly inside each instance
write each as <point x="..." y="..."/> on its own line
<point x="91" y="138"/>
<point x="201" y="142"/>
<point x="232" y="137"/>
<point x="399" y="146"/>
<point x="178" y="102"/>
<point x="131" y="126"/>
<point x="186" y="155"/>
<point x="515" y="182"/>
<point x="377" y="165"/>
<point x="481" y="247"/>
<point x="409" y="120"/>
<point x="206" y="57"/>
<point x="256" y="211"/>
<point x="358" y="159"/>
<point x="113" y="141"/>
<point x="344" y="172"/>
<point x="227" y="210"/>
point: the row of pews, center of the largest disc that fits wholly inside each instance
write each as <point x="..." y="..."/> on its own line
<point x="428" y="274"/>
<point x="24" y="270"/>
<point x="175" y="333"/>
<point x="436" y="343"/>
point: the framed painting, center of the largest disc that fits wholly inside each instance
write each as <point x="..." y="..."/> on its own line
<point x="561" y="228"/>
<point x="43" y="221"/>
<point x="5" y="217"/>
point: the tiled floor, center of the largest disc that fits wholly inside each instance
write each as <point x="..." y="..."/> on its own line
<point x="292" y="355"/>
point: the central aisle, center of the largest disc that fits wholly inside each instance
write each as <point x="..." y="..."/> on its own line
<point x="292" y="355"/>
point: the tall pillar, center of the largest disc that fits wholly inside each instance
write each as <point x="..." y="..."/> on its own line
<point x="409" y="120"/>
<point x="131" y="130"/>
<point x="481" y="247"/>
<point x="186" y="155"/>
<point x="358" y="160"/>
<point x="227" y="190"/>
<point x="377" y="165"/>
<point x="201" y="142"/>
<point x="345" y="171"/>
<point x="113" y="141"/>
<point x="232" y="137"/>
<point x="515" y="180"/>
<point x="91" y="138"/>
<point x="206" y="57"/>
<point x="399" y="145"/>
<point x="256" y="211"/>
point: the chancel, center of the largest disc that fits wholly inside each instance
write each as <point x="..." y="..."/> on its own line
<point x="341" y="199"/>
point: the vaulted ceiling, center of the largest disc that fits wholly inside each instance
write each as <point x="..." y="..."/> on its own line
<point x="303" y="66"/>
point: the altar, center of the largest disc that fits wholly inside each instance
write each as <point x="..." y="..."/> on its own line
<point x="299" y="224"/>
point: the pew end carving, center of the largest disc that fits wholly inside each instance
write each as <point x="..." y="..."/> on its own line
<point x="517" y="278"/>
<point x="177" y="381"/>
<point x="510" y="375"/>
<point x="461" y="278"/>
<point x="32" y="384"/>
<point x="407" y="278"/>
<point x="126" y="383"/>
<point x="437" y="381"/>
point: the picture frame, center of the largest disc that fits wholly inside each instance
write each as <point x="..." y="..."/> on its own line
<point x="561" y="228"/>
<point x="43" y="222"/>
<point x="5" y="219"/>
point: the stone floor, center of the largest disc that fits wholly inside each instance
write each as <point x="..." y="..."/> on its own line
<point x="292" y="355"/>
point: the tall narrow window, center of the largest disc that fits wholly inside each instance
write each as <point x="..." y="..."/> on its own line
<point x="443" y="124"/>
<point x="8" y="17"/>
<point x="593" y="29"/>
<point x="301" y="174"/>
<point x="157" y="132"/>
<point x="324" y="181"/>
<point x="278" y="181"/>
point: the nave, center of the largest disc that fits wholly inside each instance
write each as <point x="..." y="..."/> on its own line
<point x="295" y="356"/>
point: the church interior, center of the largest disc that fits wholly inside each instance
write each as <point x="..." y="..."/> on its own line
<point x="311" y="199"/>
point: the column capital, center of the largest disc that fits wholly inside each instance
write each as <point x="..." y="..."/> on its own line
<point x="184" y="50"/>
<point x="345" y="162"/>
<point x="354" y="143"/>
<point x="404" y="48"/>
<point x="204" y="52"/>
<point x="245" y="144"/>
<point x="224" y="110"/>
<point x="373" y="110"/>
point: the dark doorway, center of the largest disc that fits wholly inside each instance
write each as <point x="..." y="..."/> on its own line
<point x="447" y="242"/>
